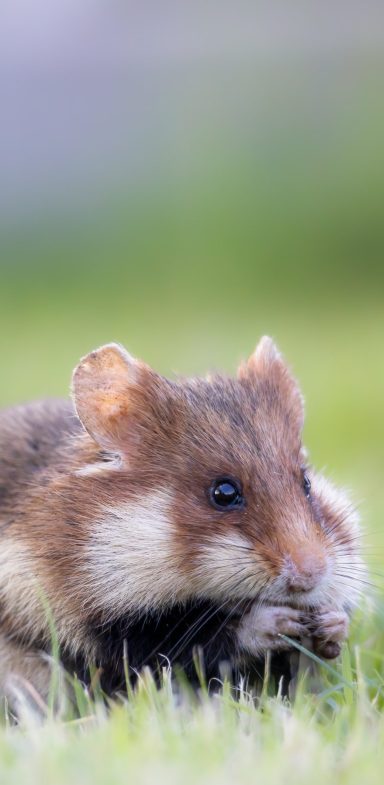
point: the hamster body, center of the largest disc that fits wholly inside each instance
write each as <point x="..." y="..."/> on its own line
<point x="165" y="517"/>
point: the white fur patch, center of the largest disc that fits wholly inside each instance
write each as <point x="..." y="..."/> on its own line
<point x="99" y="468"/>
<point x="25" y="679"/>
<point x="337" y="499"/>
<point x="229" y="569"/>
<point x="21" y="597"/>
<point x="131" y="560"/>
<point x="348" y="573"/>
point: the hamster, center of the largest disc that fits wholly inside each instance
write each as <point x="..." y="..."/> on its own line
<point x="164" y="518"/>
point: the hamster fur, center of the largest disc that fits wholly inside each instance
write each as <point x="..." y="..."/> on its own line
<point x="108" y="516"/>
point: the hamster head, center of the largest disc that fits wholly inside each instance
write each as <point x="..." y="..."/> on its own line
<point x="206" y="493"/>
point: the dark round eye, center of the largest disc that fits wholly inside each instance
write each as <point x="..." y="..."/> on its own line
<point x="306" y="485"/>
<point x="225" y="494"/>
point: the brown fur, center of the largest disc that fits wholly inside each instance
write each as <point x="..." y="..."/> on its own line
<point x="145" y="433"/>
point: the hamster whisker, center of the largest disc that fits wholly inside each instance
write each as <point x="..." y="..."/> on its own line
<point x="341" y="522"/>
<point x="344" y="549"/>
<point x="359" y="569"/>
<point x="356" y="579"/>
<point x="348" y="537"/>
<point x="217" y="632"/>
<point x="200" y="623"/>
<point x="201" y="620"/>
<point x="223" y="624"/>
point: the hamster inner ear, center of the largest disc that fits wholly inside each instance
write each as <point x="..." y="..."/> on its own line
<point x="103" y="386"/>
<point x="266" y="363"/>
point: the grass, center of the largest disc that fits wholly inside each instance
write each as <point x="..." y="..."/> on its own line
<point x="335" y="735"/>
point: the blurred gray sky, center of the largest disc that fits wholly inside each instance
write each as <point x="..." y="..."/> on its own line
<point x="98" y="95"/>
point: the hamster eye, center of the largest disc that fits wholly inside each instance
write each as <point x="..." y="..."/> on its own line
<point x="225" y="494"/>
<point x="306" y="485"/>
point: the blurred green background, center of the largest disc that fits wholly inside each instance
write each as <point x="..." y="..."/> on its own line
<point x="245" y="197"/>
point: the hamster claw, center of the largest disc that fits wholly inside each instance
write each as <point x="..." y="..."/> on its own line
<point x="329" y="650"/>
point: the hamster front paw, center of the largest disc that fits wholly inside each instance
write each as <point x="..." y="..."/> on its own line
<point x="329" y="629"/>
<point x="261" y="628"/>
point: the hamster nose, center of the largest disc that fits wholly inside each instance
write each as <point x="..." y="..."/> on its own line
<point x="304" y="572"/>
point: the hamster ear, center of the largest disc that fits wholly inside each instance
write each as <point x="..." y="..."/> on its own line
<point x="104" y="391"/>
<point x="266" y="363"/>
<point x="265" y="356"/>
